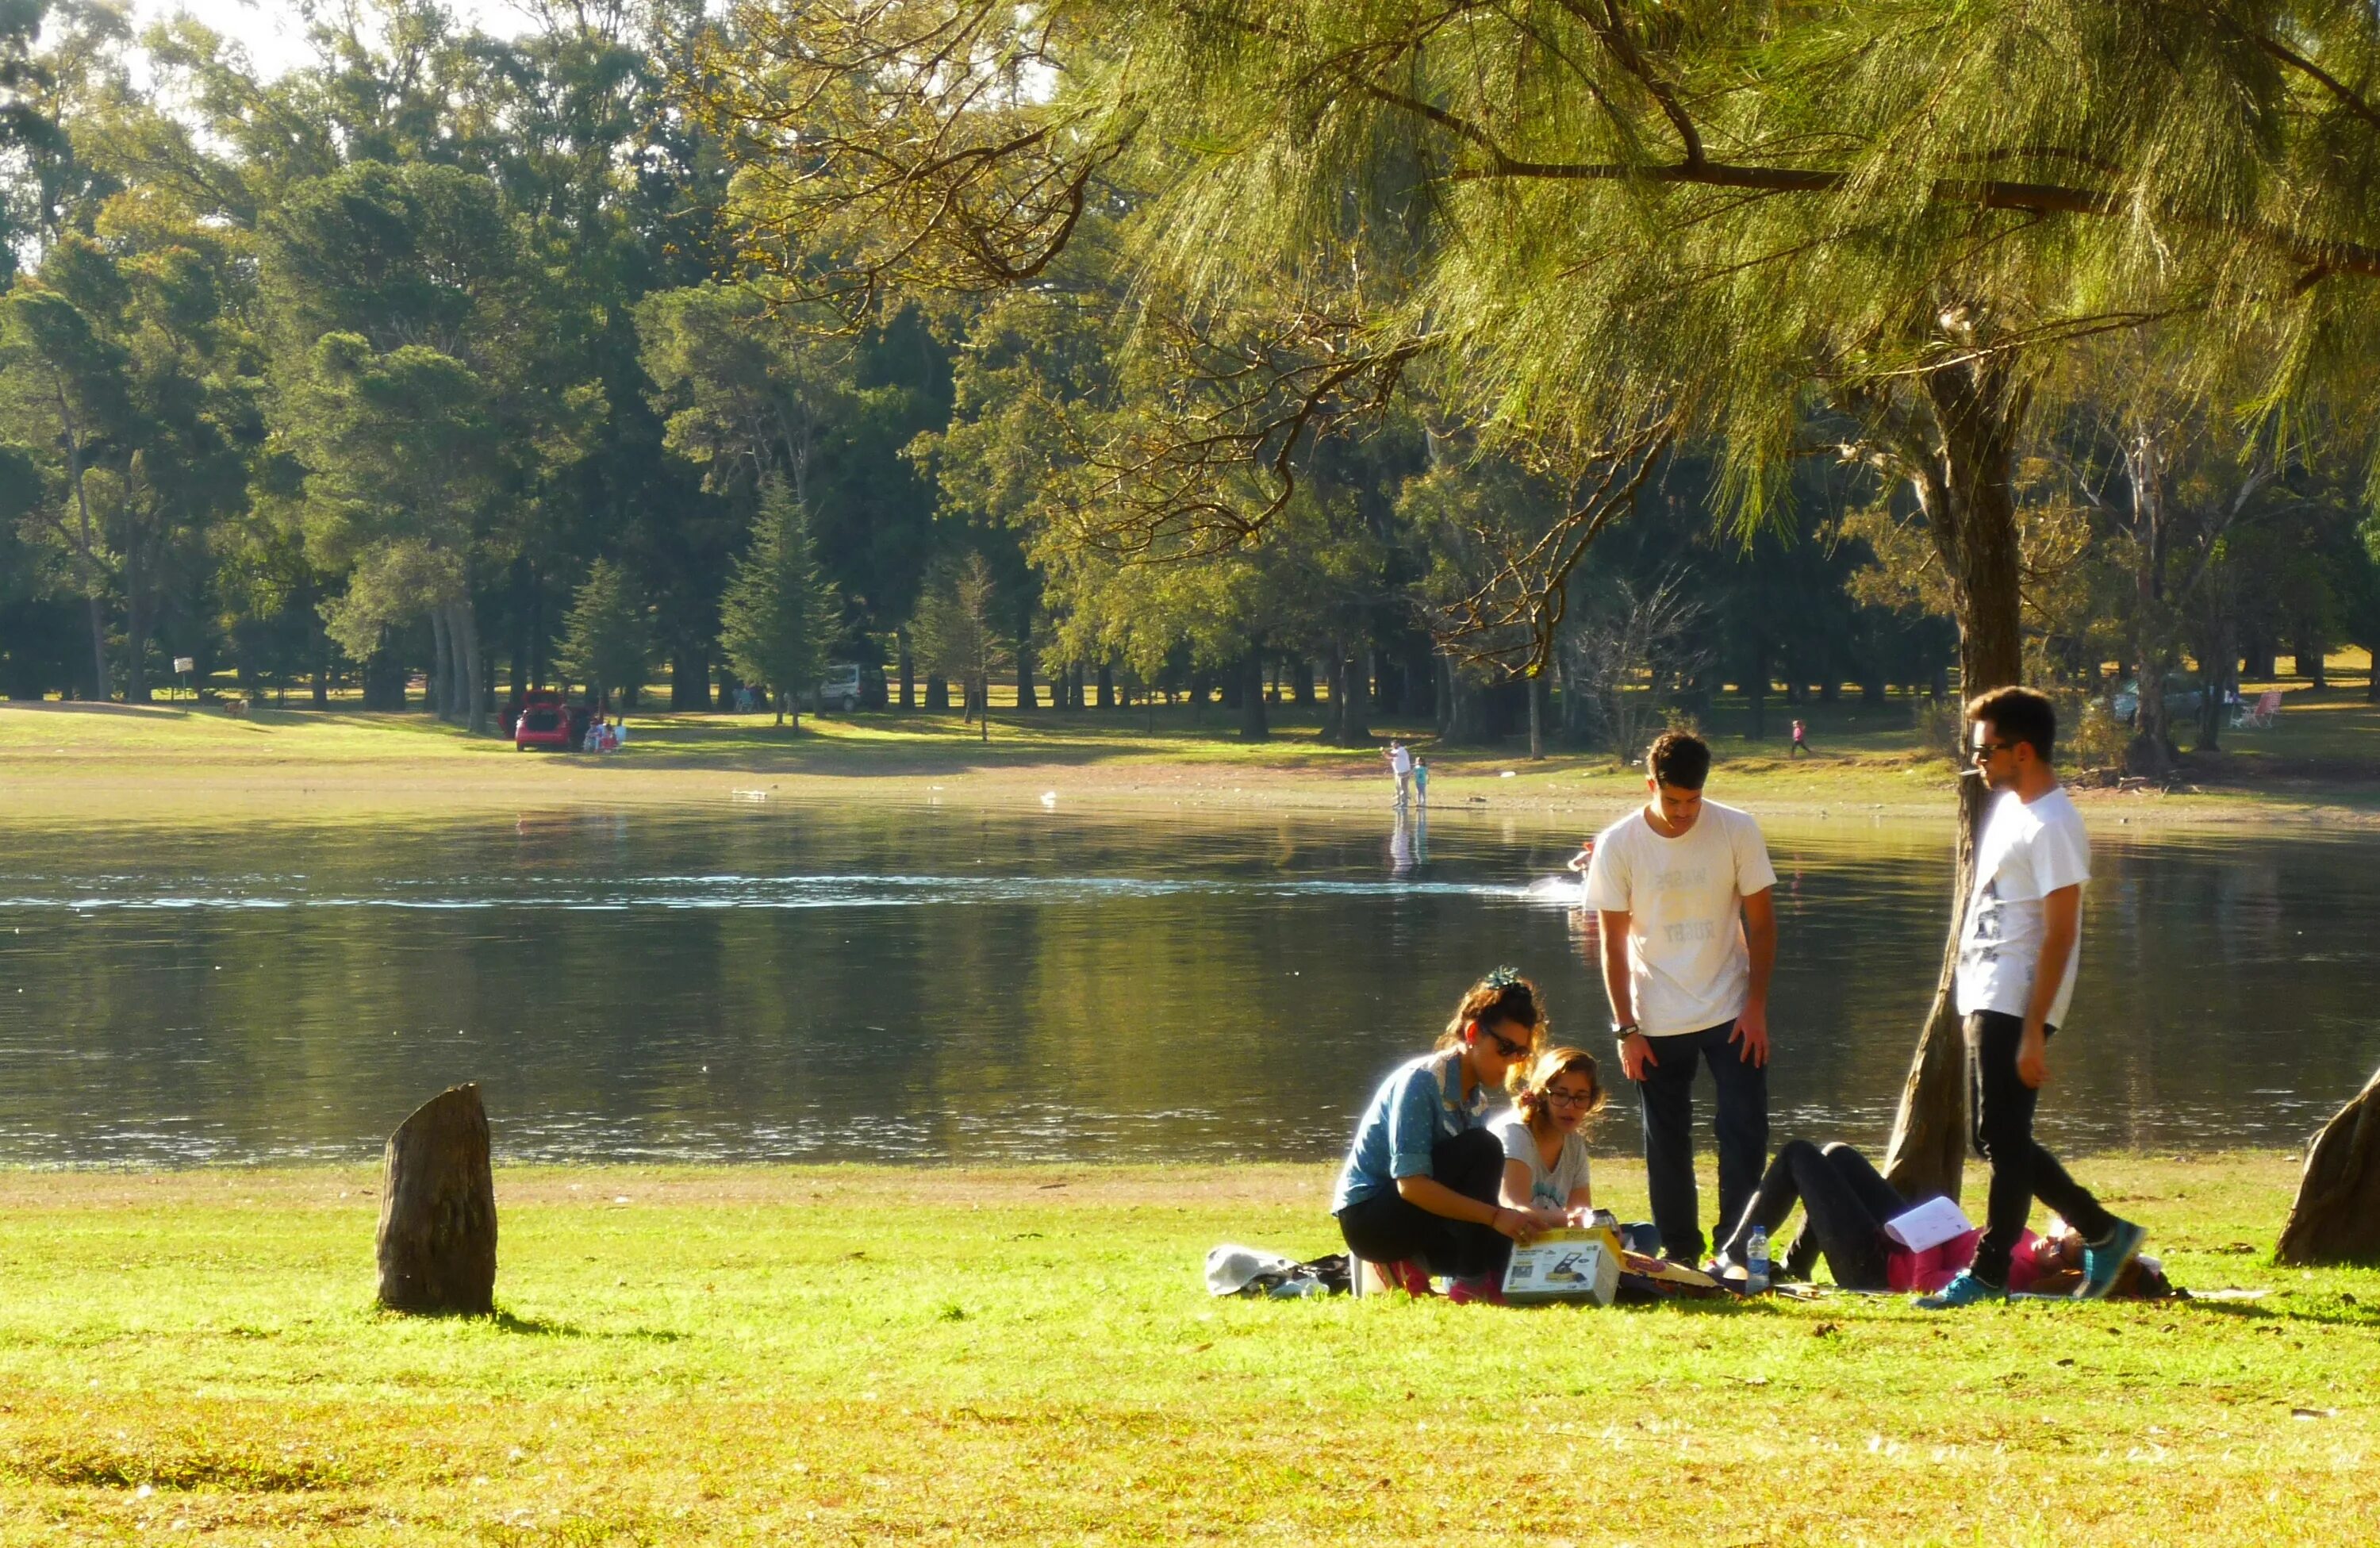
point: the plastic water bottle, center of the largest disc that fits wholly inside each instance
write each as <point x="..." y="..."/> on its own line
<point x="1755" y="1261"/>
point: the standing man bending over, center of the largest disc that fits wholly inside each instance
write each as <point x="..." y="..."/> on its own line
<point x="1680" y="887"/>
<point x="2019" y="952"/>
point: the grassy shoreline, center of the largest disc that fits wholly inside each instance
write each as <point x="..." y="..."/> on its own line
<point x="830" y="1354"/>
<point x="185" y="763"/>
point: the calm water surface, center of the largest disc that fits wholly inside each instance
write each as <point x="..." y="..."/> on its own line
<point x="781" y="982"/>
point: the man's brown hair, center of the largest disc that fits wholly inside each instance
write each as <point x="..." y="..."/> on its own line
<point x="1680" y="760"/>
<point x="2016" y="714"/>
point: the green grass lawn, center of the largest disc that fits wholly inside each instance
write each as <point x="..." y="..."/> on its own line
<point x="2321" y="760"/>
<point x="839" y="1355"/>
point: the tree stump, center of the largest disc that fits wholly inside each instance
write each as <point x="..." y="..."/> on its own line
<point x="2336" y="1217"/>
<point x="438" y="1210"/>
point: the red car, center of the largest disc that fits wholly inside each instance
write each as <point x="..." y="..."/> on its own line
<point x="544" y="721"/>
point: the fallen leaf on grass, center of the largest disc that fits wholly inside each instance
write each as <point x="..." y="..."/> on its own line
<point x="2314" y="1413"/>
<point x="1824" y="1330"/>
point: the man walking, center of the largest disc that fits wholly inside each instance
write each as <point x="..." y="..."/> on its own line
<point x="1680" y="887"/>
<point x="2019" y="951"/>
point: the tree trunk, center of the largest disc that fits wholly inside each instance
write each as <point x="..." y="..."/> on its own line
<point x="908" y="667"/>
<point x="442" y="673"/>
<point x="1756" y="689"/>
<point x="1107" y="686"/>
<point x="689" y="677"/>
<point x="1970" y="504"/>
<point x="2310" y="663"/>
<point x="1253" y="725"/>
<point x="1354" y="726"/>
<point x="2337" y="1216"/>
<point x="474" y="707"/>
<point x="98" y="648"/>
<point x="136" y="631"/>
<point x="1536" y="716"/>
<point x="437" y="1245"/>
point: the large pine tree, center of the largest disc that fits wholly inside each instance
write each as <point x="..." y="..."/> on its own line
<point x="780" y="614"/>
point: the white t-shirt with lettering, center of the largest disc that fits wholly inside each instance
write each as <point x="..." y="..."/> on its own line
<point x="1688" y="968"/>
<point x="2029" y="849"/>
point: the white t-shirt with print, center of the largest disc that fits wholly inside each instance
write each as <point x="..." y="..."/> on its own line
<point x="1549" y="1188"/>
<point x="1688" y="968"/>
<point x="2029" y="849"/>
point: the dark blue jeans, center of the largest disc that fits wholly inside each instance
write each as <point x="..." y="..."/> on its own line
<point x="2021" y="1170"/>
<point x="1384" y="1229"/>
<point x="1739" y="1123"/>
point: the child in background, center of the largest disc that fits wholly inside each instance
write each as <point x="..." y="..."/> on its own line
<point x="1421" y="780"/>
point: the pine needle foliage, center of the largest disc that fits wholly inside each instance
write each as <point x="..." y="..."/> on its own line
<point x="1607" y="213"/>
<point x="780" y="614"/>
<point x="607" y="637"/>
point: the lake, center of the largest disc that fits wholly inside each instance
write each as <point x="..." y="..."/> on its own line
<point x="784" y="982"/>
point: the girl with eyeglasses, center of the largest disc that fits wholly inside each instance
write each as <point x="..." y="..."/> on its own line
<point x="1421" y="1192"/>
<point x="1544" y="1134"/>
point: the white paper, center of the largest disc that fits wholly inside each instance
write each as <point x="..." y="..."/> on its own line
<point x="1929" y="1224"/>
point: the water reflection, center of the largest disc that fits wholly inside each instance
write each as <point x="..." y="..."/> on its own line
<point x="785" y="982"/>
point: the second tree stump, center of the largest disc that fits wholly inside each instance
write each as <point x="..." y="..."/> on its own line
<point x="438" y="1210"/>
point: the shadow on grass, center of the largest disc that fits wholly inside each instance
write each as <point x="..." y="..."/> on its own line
<point x="2260" y="1313"/>
<point x="499" y="1321"/>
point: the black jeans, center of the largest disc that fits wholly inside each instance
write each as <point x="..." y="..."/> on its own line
<point x="1847" y="1202"/>
<point x="1386" y="1229"/>
<point x="1740" y="1122"/>
<point x="2021" y="1170"/>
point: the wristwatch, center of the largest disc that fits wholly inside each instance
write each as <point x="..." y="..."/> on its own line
<point x="1621" y="1029"/>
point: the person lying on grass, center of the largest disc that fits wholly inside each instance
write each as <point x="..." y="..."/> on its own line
<point x="1420" y="1192"/>
<point x="1545" y="1146"/>
<point x="1847" y="1204"/>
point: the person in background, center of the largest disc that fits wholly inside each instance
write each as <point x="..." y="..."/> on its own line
<point x="1421" y="1189"/>
<point x="2019" y="950"/>
<point x="1801" y="740"/>
<point x="1401" y="764"/>
<point x="1421" y="780"/>
<point x="1543" y="1135"/>
<point x="1680" y="887"/>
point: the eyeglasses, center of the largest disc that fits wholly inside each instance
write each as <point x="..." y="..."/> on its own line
<point x="1504" y="1045"/>
<point x="1568" y="1099"/>
<point x="1985" y="749"/>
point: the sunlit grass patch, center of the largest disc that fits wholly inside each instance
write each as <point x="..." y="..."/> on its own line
<point x="1027" y="1355"/>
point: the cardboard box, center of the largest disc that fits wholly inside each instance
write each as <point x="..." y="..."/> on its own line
<point x="1565" y="1265"/>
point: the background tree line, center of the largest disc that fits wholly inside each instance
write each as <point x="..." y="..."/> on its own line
<point x="505" y="362"/>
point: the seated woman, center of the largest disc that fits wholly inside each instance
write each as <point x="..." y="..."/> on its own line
<point x="1847" y="1202"/>
<point x="1545" y="1152"/>
<point x="1420" y="1194"/>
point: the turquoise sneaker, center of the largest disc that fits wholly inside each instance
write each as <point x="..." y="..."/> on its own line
<point x="1965" y="1290"/>
<point x="2104" y="1264"/>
